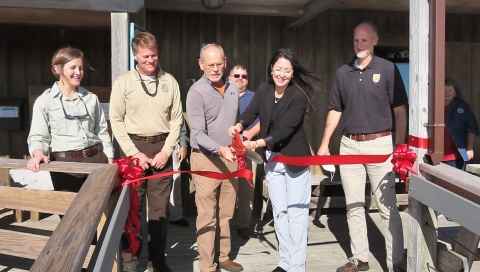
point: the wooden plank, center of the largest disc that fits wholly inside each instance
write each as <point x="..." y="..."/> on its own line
<point x="313" y="8"/>
<point x="112" y="227"/>
<point x="4" y="134"/>
<point x="28" y="246"/>
<point x="227" y="8"/>
<point x="475" y="87"/>
<point x="454" y="180"/>
<point x="448" y="260"/>
<point x="120" y="49"/>
<point x="4" y="177"/>
<point x="65" y="167"/>
<point x="452" y="205"/>
<point x="258" y="45"/>
<point x="68" y="246"/>
<point x="35" y="200"/>
<point x="91" y="5"/>
<point x="469" y="242"/>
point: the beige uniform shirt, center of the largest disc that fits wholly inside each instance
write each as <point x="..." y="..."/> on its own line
<point x="52" y="132"/>
<point x="132" y="111"/>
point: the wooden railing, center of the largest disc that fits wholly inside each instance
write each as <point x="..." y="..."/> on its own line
<point x="93" y="209"/>
<point x="455" y="194"/>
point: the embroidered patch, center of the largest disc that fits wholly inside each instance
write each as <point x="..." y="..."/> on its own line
<point x="165" y="88"/>
<point x="376" y="78"/>
<point x="460" y="110"/>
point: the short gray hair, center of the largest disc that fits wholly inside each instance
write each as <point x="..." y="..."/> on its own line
<point x="371" y="25"/>
<point x="206" y="46"/>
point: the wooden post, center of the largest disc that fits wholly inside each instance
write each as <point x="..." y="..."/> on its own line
<point x="120" y="56"/>
<point x="422" y="240"/>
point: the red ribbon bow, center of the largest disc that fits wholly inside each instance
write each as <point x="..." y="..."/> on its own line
<point x="239" y="152"/>
<point x="403" y="159"/>
<point x="129" y="169"/>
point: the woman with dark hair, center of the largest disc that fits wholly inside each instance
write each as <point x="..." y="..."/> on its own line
<point x="282" y="104"/>
<point x="461" y="127"/>
<point x="68" y="123"/>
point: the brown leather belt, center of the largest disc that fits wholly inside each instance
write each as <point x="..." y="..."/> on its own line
<point x="87" y="152"/>
<point x="206" y="153"/>
<point x="366" y="137"/>
<point x="150" y="139"/>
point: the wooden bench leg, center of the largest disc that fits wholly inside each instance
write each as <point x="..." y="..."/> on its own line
<point x="34" y="216"/>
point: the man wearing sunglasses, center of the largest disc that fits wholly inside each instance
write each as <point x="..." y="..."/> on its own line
<point x="243" y="210"/>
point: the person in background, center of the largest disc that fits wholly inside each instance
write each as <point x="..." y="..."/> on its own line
<point x="461" y="127"/>
<point x="175" y="204"/>
<point x="68" y="123"/>
<point x="146" y="117"/>
<point x="243" y="211"/>
<point x="281" y="104"/>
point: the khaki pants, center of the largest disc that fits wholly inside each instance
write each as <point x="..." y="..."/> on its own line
<point x="215" y="200"/>
<point x="382" y="182"/>
<point x="243" y="210"/>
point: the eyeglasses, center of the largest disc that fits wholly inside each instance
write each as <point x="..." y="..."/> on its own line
<point x="212" y="66"/>
<point x="278" y="72"/>
<point x="238" y="76"/>
<point x="71" y="117"/>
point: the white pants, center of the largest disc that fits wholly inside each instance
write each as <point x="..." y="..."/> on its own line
<point x="175" y="205"/>
<point x="382" y="182"/>
<point x="290" y="197"/>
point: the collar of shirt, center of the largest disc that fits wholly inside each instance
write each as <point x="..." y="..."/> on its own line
<point x="225" y="79"/>
<point x="247" y="94"/>
<point x="136" y="75"/>
<point x="55" y="91"/>
<point x="371" y="65"/>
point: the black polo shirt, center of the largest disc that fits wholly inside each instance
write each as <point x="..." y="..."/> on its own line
<point x="366" y="96"/>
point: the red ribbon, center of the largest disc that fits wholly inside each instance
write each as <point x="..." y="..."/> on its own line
<point x="129" y="169"/>
<point x="402" y="159"/>
<point x="417" y="142"/>
<point x="130" y="173"/>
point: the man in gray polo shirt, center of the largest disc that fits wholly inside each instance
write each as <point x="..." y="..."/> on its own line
<point x="365" y="92"/>
<point x="212" y="107"/>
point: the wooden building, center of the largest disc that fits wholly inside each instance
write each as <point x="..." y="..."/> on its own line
<point x="250" y="34"/>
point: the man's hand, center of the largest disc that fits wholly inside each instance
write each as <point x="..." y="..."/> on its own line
<point x="323" y="150"/>
<point x="160" y="160"/>
<point x="470" y="154"/>
<point x="226" y="153"/>
<point x="182" y="153"/>
<point x="143" y="160"/>
<point x="110" y="160"/>
<point x="34" y="163"/>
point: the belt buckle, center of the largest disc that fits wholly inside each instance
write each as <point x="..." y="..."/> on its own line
<point x="363" y="135"/>
<point x="84" y="153"/>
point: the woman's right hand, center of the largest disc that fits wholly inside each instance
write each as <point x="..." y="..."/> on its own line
<point x="34" y="163"/>
<point x="232" y="129"/>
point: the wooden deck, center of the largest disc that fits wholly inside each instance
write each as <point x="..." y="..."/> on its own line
<point x="328" y="243"/>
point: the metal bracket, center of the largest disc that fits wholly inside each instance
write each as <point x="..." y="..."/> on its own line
<point x="433" y="125"/>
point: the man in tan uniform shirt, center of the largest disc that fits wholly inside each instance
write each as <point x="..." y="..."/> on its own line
<point x="146" y="118"/>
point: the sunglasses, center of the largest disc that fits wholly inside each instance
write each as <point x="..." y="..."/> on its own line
<point x="238" y="76"/>
<point x="72" y="117"/>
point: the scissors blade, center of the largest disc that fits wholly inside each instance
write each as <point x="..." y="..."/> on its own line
<point x="254" y="156"/>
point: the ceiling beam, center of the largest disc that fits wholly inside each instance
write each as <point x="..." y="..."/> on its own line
<point x="312" y="9"/>
<point x="95" y="5"/>
<point x="228" y="8"/>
